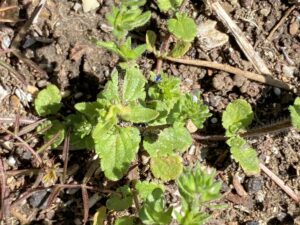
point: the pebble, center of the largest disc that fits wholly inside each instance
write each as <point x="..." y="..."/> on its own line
<point x="3" y="93"/>
<point x="42" y="83"/>
<point x="277" y="91"/>
<point x="294" y="28"/>
<point x="6" y="41"/>
<point x="77" y="6"/>
<point x="214" y="120"/>
<point x="38" y="199"/>
<point x="11" y="161"/>
<point x="89" y="5"/>
<point x="254" y="184"/>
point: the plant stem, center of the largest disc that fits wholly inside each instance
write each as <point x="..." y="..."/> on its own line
<point x="230" y="69"/>
<point x="277" y="127"/>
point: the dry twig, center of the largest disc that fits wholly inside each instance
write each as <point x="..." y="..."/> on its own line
<point x="241" y="39"/>
<point x="230" y="69"/>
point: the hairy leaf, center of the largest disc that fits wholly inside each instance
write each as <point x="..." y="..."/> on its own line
<point x="180" y="48"/>
<point x="183" y="27"/>
<point x="166" y="167"/>
<point x="244" y="155"/>
<point x="145" y="188"/>
<point x="111" y="90"/>
<point x="126" y="220"/>
<point x="154" y="210"/>
<point x="117" y="148"/>
<point x="189" y="107"/>
<point x="169" y="140"/>
<point x="137" y="114"/>
<point x="150" y="41"/>
<point x="295" y="113"/>
<point x="99" y="216"/>
<point x="120" y="201"/>
<point x="90" y="110"/>
<point x="50" y="128"/>
<point x="238" y="115"/>
<point x="134" y="83"/>
<point x="48" y="101"/>
<point x="165" y="5"/>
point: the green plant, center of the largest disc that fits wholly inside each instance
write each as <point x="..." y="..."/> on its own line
<point x="236" y="118"/>
<point x="197" y="189"/>
<point x="295" y="113"/>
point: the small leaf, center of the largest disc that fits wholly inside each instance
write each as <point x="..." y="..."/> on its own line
<point x="183" y="27"/>
<point x="117" y="148"/>
<point x="126" y="220"/>
<point x="111" y="90"/>
<point x="51" y="128"/>
<point x="81" y="126"/>
<point x="134" y="83"/>
<point x="134" y="3"/>
<point x="295" y="113"/>
<point x="90" y="110"/>
<point x="99" y="216"/>
<point x="48" y="101"/>
<point x="180" y="49"/>
<point x="109" y="45"/>
<point x="154" y="210"/>
<point x="189" y="107"/>
<point x="150" y="41"/>
<point x="238" y="115"/>
<point x="137" y="114"/>
<point x="169" y="140"/>
<point x="165" y="5"/>
<point x="244" y="155"/>
<point x="167" y="167"/>
<point x="144" y="188"/>
<point x="121" y="201"/>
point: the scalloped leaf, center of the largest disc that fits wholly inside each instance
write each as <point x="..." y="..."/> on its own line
<point x="121" y="201"/>
<point x="180" y="48"/>
<point x="154" y="210"/>
<point x="117" y="148"/>
<point x="137" y="114"/>
<point x="183" y="27"/>
<point x="111" y="90"/>
<point x="134" y="84"/>
<point x="169" y="140"/>
<point x="238" y="115"/>
<point x="145" y="188"/>
<point x="165" y="5"/>
<point x="166" y="167"/>
<point x="244" y="155"/>
<point x="48" y="101"/>
<point x="295" y="113"/>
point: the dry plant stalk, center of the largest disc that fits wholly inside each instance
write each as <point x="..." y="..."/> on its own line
<point x="241" y="39"/>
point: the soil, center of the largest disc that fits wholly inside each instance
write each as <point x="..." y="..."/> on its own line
<point x="60" y="44"/>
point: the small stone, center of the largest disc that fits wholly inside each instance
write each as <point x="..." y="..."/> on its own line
<point x="42" y="83"/>
<point x="191" y="126"/>
<point x="288" y="71"/>
<point x="3" y="93"/>
<point x="38" y="199"/>
<point x="6" y="41"/>
<point x="277" y="91"/>
<point x="89" y="5"/>
<point x="294" y="27"/>
<point x="77" y="6"/>
<point x="11" y="161"/>
<point x="254" y="184"/>
<point x="214" y="120"/>
<point x="209" y="37"/>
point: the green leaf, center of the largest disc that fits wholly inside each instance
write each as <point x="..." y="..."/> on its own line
<point x="81" y="126"/>
<point x="133" y="88"/>
<point x="137" y="114"/>
<point x="120" y="201"/>
<point x="117" y="148"/>
<point x="126" y="220"/>
<point x="111" y="90"/>
<point x="48" y="101"/>
<point x="180" y="48"/>
<point x="109" y="45"/>
<point x="295" y="113"/>
<point x="133" y="3"/>
<point x="166" y="167"/>
<point x="99" y="216"/>
<point x="189" y="107"/>
<point x="90" y="110"/>
<point x="165" y="5"/>
<point x="50" y="128"/>
<point x="154" y="210"/>
<point x="145" y="188"/>
<point x="150" y="41"/>
<point x="238" y="115"/>
<point x="244" y="155"/>
<point x="183" y="27"/>
<point x="169" y="140"/>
